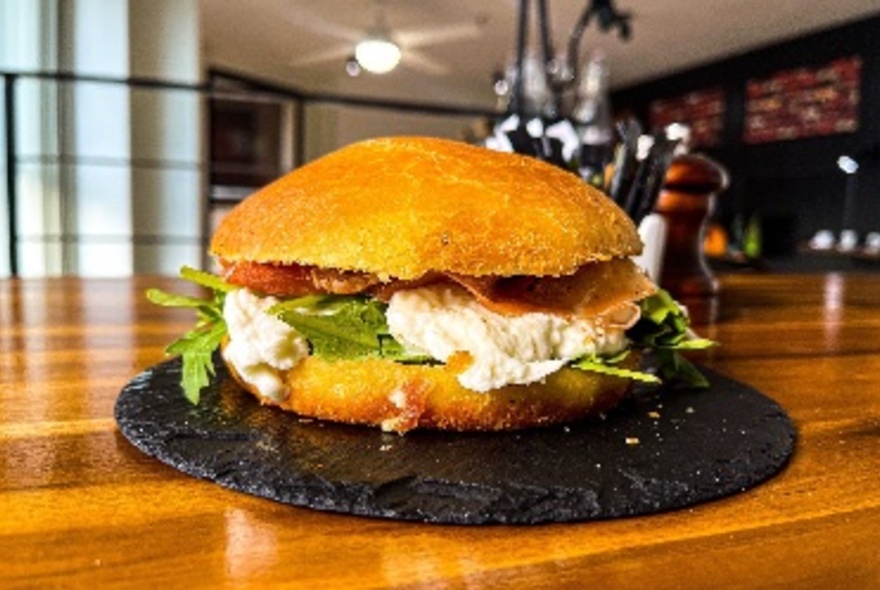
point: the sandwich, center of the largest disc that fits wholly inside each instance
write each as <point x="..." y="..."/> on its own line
<point x="415" y="282"/>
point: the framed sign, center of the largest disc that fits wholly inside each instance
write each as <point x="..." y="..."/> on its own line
<point x="701" y="110"/>
<point x="804" y="102"/>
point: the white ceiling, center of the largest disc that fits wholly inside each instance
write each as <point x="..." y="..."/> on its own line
<point x="276" y="39"/>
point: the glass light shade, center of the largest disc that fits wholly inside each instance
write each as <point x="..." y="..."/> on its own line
<point x="847" y="164"/>
<point x="378" y="56"/>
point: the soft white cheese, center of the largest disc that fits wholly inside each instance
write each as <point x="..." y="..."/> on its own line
<point x="443" y="319"/>
<point x="260" y="345"/>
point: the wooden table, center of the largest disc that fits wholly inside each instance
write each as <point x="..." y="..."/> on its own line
<point x="81" y="507"/>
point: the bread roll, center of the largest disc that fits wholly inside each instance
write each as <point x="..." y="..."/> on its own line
<point x="403" y="207"/>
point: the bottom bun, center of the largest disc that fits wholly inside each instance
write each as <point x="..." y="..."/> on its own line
<point x="399" y="397"/>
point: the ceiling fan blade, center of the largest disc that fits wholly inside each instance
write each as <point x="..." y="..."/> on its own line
<point x="421" y="62"/>
<point x="338" y="53"/>
<point x="303" y="18"/>
<point x="448" y="34"/>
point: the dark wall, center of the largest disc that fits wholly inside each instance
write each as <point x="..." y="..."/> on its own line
<point x="794" y="186"/>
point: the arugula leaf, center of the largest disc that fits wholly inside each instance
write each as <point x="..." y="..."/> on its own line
<point x="165" y="299"/>
<point x="206" y="279"/>
<point x="336" y="327"/>
<point x="695" y="344"/>
<point x="343" y="327"/>
<point x="673" y="367"/>
<point x="662" y="322"/>
<point x="391" y="349"/>
<point x="664" y="328"/>
<point x="197" y="346"/>
<point x="606" y="367"/>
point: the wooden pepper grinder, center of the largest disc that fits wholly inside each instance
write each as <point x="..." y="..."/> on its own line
<point x="691" y="187"/>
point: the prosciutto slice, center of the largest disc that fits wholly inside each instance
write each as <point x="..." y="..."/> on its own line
<point x="294" y="280"/>
<point x="596" y="288"/>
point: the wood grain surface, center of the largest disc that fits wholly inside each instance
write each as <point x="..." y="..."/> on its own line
<point x="80" y="507"/>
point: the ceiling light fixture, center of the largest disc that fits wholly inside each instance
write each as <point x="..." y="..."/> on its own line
<point x="352" y="67"/>
<point x="377" y="54"/>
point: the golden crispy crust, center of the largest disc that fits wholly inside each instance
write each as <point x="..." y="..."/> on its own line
<point x="402" y="207"/>
<point x="399" y="397"/>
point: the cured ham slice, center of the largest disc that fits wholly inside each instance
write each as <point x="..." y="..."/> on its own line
<point x="596" y="288"/>
<point x="294" y="280"/>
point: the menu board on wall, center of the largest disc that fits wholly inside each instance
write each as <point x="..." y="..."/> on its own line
<point x="702" y="111"/>
<point x="804" y="102"/>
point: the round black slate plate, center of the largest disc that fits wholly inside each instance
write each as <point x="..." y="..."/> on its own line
<point x="658" y="451"/>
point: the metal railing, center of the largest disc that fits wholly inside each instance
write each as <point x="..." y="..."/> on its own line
<point x="246" y="87"/>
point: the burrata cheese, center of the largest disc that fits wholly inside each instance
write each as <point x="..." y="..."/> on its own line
<point x="440" y="320"/>
<point x="260" y="345"/>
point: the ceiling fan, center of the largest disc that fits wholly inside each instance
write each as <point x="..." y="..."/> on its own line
<point x="380" y="49"/>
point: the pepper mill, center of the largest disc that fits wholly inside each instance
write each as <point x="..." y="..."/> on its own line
<point x="686" y="201"/>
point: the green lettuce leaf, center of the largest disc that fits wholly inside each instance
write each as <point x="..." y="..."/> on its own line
<point x="673" y="367"/>
<point x="197" y="346"/>
<point x="606" y="366"/>
<point x="343" y="327"/>
<point x="196" y="349"/>
<point x="664" y="329"/>
<point x="206" y="279"/>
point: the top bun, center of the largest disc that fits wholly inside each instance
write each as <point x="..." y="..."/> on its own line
<point x="403" y="207"/>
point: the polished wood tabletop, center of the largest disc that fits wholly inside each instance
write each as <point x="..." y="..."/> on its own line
<point x="81" y="507"/>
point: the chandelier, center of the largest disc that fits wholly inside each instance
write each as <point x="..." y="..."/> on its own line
<point x="549" y="73"/>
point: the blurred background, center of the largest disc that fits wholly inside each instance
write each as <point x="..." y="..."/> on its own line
<point x="130" y="126"/>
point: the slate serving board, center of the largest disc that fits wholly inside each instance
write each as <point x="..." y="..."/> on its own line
<point x="658" y="451"/>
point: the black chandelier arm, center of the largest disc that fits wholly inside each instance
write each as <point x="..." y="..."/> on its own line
<point x="574" y="43"/>
<point x="608" y="16"/>
<point x="517" y="97"/>
<point x="547" y="52"/>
